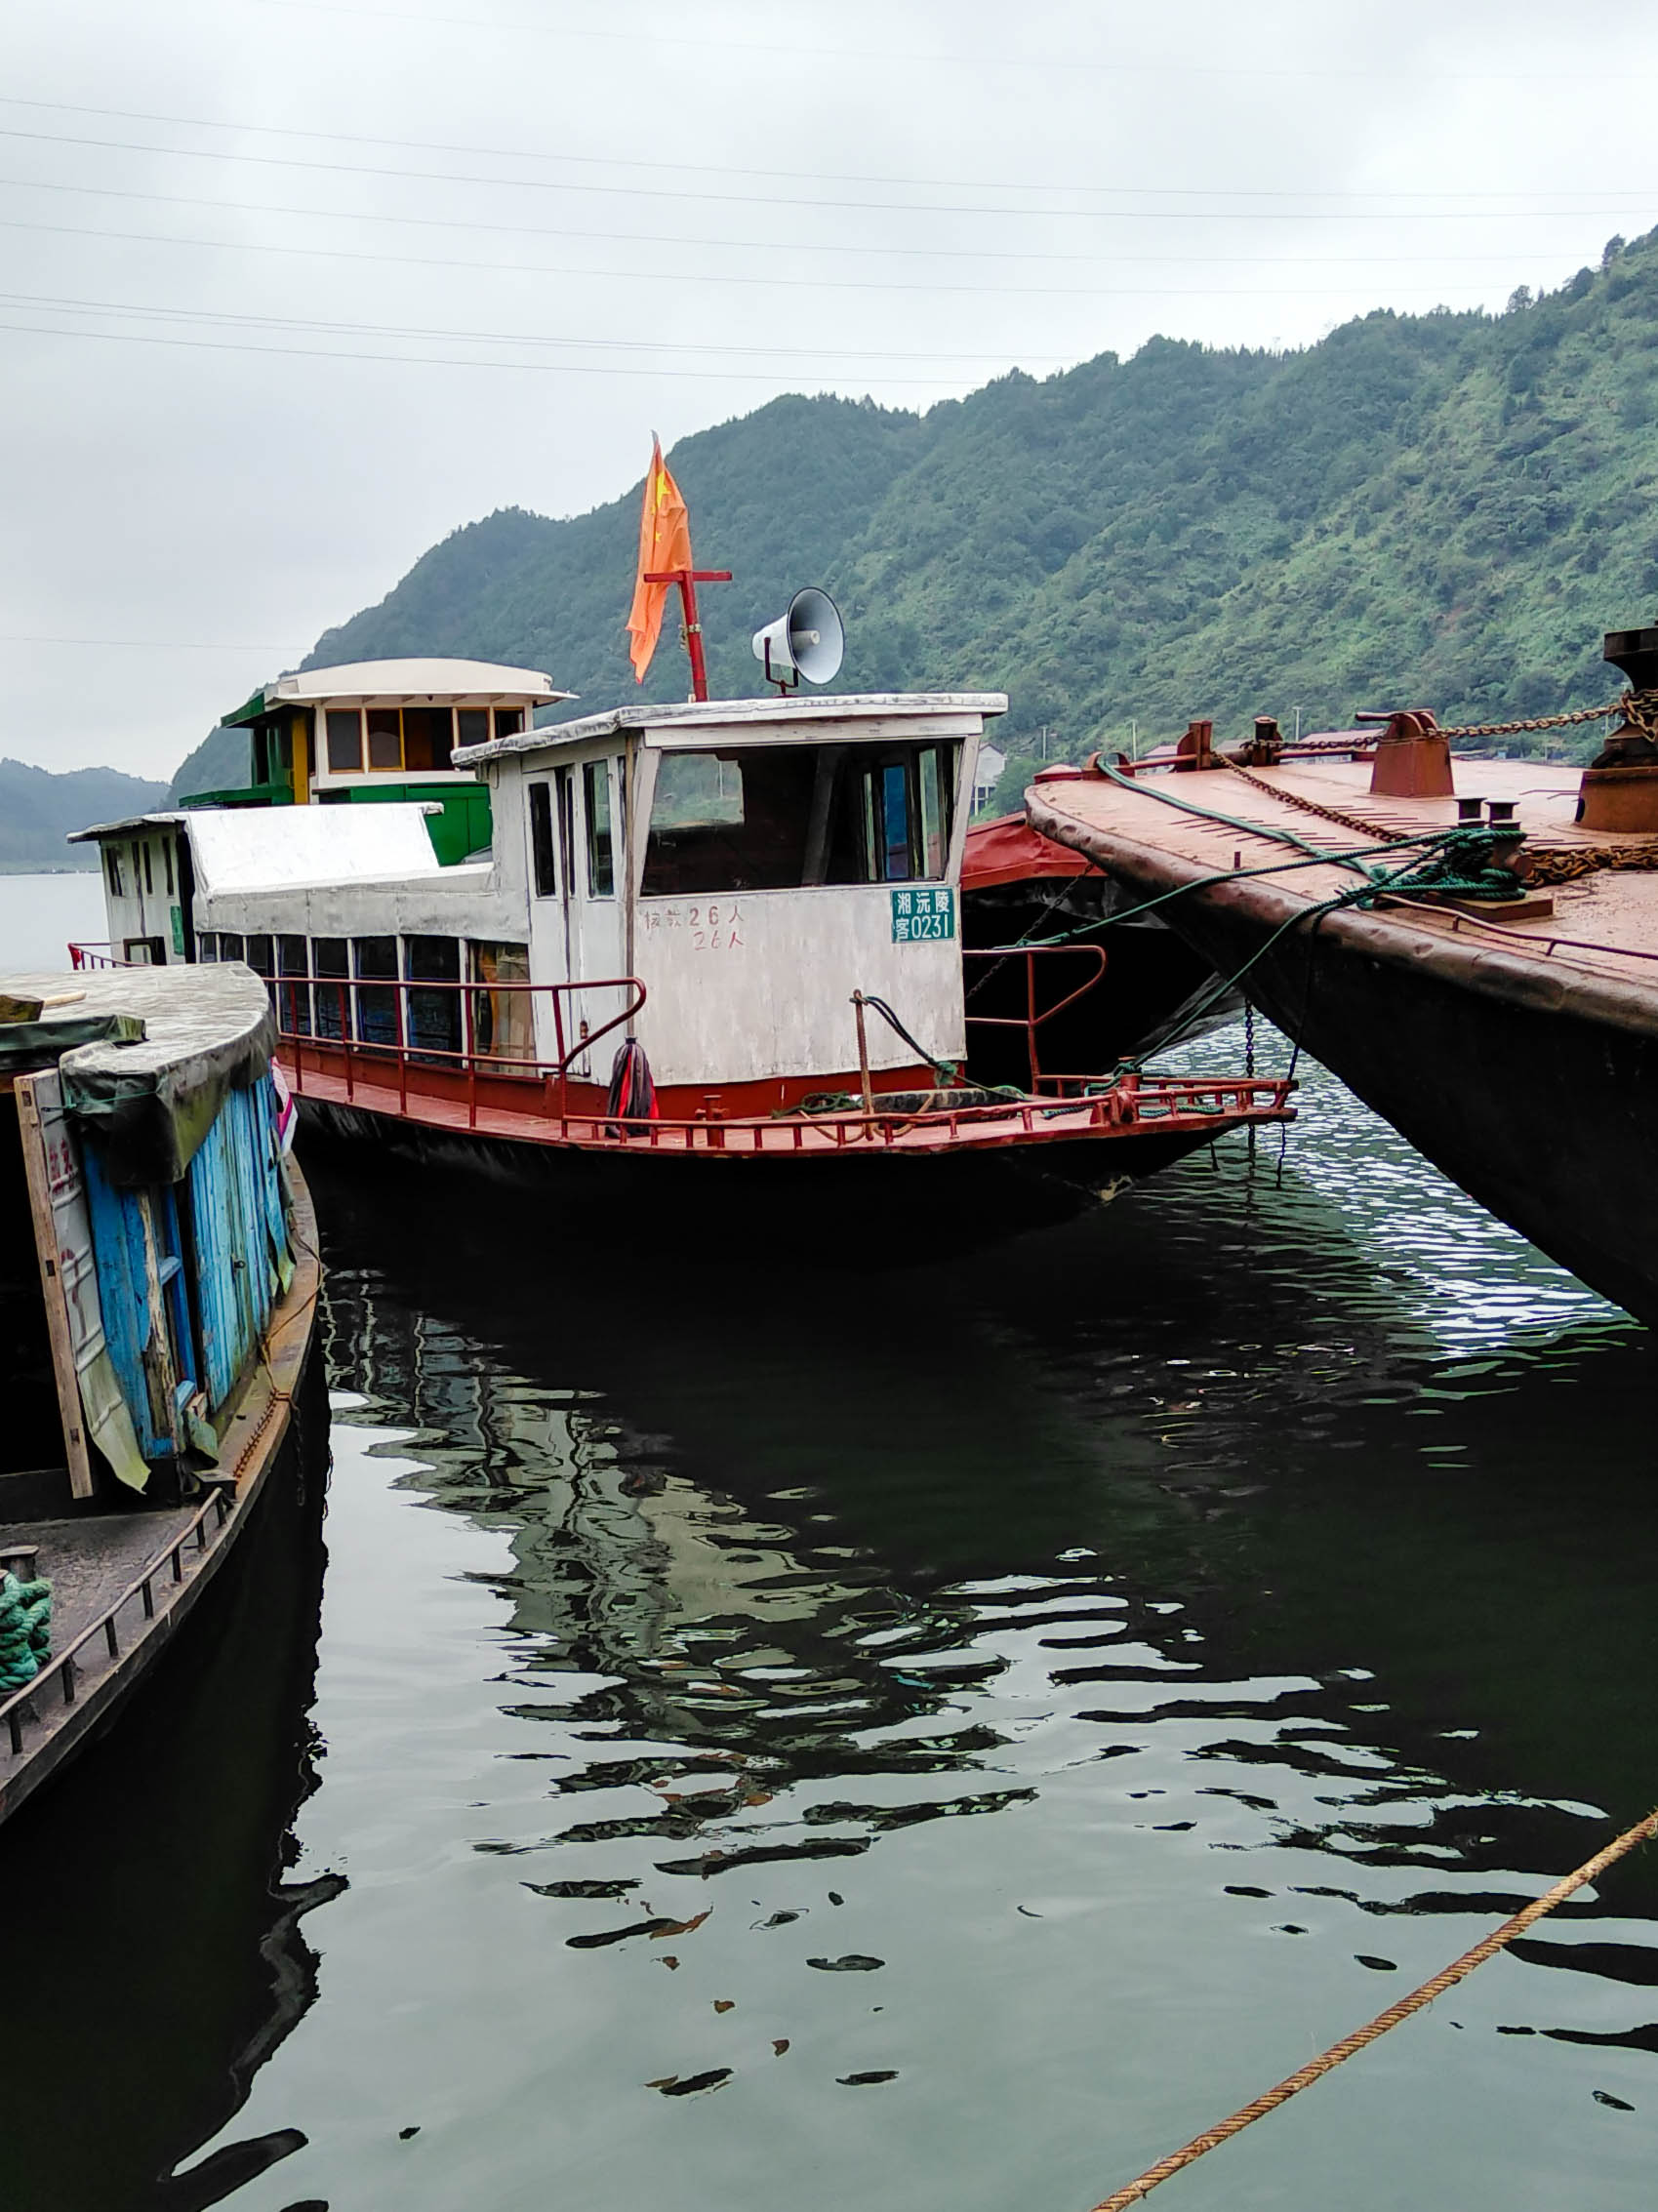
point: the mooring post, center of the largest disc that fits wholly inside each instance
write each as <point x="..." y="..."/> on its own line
<point x="863" y="1059"/>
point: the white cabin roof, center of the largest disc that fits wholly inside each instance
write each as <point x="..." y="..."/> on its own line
<point x="417" y="682"/>
<point x="293" y="847"/>
<point x="754" y="720"/>
<point x="124" y="828"/>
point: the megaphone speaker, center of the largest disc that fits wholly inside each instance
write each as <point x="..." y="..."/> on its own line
<point x="809" y="640"/>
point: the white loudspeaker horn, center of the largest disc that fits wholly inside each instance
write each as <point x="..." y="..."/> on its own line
<point x="809" y="641"/>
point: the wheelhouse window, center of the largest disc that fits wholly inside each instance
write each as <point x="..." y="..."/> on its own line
<point x="230" y="947"/>
<point x="386" y="737"/>
<point x="344" y="741"/>
<point x="508" y="721"/>
<point x="775" y="818"/>
<point x="601" y="858"/>
<point x="542" y="866"/>
<point x="428" y="737"/>
<point x="113" y="871"/>
<point x="414" y="739"/>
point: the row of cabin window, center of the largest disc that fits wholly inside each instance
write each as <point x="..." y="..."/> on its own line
<point x="765" y="819"/>
<point x="336" y="986"/>
<point x="144" y="871"/>
<point x="777" y="818"/>
<point x="408" y="737"/>
<point x="552" y="831"/>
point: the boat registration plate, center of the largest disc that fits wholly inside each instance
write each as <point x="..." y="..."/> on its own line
<point x="922" y="915"/>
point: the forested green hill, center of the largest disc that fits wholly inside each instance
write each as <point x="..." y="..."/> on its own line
<point x="1445" y="510"/>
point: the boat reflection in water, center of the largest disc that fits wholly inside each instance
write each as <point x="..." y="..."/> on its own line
<point x="1044" y="1704"/>
<point x="158" y="1952"/>
<point x="1040" y="1703"/>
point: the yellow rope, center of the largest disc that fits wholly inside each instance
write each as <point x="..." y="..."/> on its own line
<point x="1305" y="2076"/>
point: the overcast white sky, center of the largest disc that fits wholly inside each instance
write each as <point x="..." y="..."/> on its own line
<point x="292" y="288"/>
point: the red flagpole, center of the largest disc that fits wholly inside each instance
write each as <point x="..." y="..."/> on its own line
<point x="687" y="580"/>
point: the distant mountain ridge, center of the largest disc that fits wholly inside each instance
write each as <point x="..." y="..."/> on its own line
<point x="1442" y="509"/>
<point x="38" y="809"/>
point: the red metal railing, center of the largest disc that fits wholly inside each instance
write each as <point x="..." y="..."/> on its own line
<point x="484" y="1085"/>
<point x="1130" y="1101"/>
<point x="1033" y="1019"/>
<point x="94" y="955"/>
<point x="364" y="1027"/>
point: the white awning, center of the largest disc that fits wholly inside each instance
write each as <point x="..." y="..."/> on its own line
<point x="287" y="848"/>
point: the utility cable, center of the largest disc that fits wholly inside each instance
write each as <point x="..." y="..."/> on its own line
<point x="1616" y="209"/>
<point x="795" y="176"/>
<point x="218" y="205"/>
<point x="700" y="278"/>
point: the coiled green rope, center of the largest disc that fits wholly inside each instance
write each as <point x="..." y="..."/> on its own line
<point x="26" y="1630"/>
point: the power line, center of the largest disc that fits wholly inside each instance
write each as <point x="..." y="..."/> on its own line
<point x="742" y="245"/>
<point x="435" y="360"/>
<point x="1127" y="292"/>
<point x="551" y="268"/>
<point x="666" y="276"/>
<point x="859" y="207"/>
<point x="428" y="360"/>
<point x="212" y="315"/>
<point x="1048" y="64"/>
<point x="729" y="169"/>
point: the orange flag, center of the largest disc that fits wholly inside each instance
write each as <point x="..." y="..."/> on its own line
<point x="664" y="542"/>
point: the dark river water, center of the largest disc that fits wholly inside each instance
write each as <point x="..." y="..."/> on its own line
<point x="767" y="1732"/>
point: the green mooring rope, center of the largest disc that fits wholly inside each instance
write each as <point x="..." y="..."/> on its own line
<point x="26" y="1630"/>
<point x="1456" y="860"/>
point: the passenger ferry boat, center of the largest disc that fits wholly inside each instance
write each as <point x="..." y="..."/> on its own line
<point x="724" y="930"/>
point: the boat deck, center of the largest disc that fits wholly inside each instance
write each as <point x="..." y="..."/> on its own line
<point x="1210" y="1106"/>
<point x="90" y="1560"/>
<point x="1604" y="922"/>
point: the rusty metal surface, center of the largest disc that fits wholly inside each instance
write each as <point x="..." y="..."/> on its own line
<point x="1521" y="1066"/>
<point x="1598" y="950"/>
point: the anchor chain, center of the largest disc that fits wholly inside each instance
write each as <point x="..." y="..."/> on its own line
<point x="1549" y="864"/>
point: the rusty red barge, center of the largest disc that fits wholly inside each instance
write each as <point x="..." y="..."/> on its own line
<point x="1470" y="943"/>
